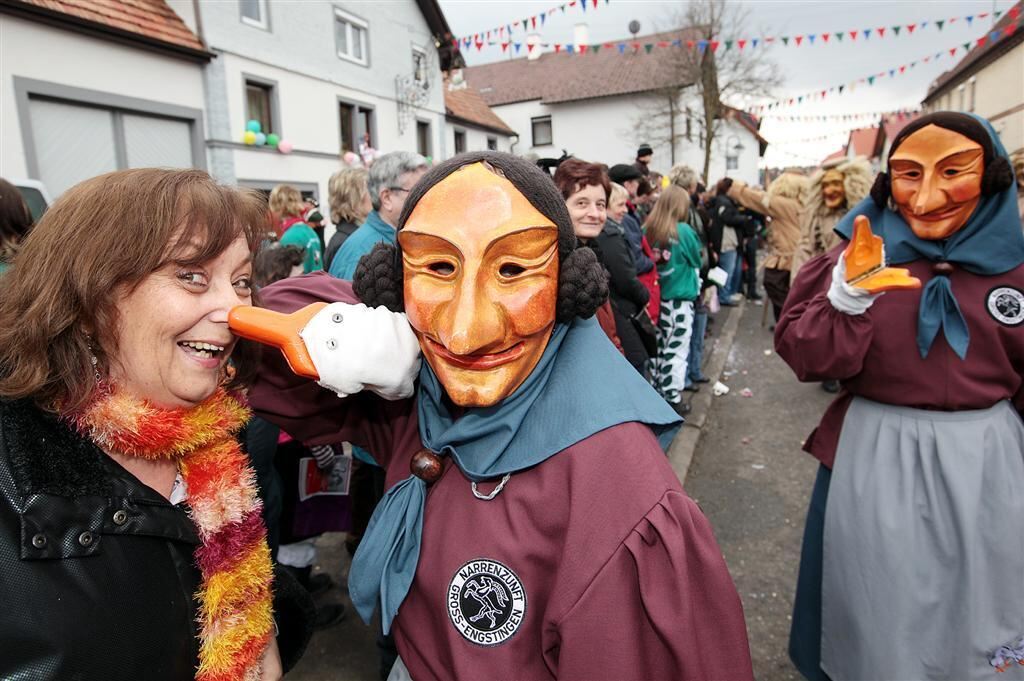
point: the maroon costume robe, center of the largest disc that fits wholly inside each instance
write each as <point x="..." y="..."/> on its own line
<point x="621" y="576"/>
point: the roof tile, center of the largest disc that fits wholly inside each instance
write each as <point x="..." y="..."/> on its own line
<point x="467" y="104"/>
<point x="149" y="18"/>
<point x="563" y="77"/>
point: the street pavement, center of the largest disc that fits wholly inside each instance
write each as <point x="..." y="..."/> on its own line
<point x="747" y="473"/>
<point x="753" y="482"/>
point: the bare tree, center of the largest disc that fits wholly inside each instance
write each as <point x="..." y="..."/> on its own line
<point x="721" y="70"/>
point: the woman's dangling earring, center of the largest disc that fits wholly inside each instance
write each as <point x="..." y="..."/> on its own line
<point x="93" y="359"/>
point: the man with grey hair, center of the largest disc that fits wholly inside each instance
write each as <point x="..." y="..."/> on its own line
<point x="391" y="177"/>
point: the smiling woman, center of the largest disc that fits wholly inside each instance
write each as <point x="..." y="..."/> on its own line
<point x="116" y="424"/>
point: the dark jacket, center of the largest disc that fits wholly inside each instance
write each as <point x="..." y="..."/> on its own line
<point x="343" y="231"/>
<point x="724" y="212"/>
<point x="634" y="237"/>
<point x="625" y="291"/>
<point x="97" y="569"/>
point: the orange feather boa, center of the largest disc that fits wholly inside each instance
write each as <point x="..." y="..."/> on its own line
<point x="235" y="616"/>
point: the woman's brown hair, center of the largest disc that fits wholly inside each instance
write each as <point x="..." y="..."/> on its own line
<point x="662" y="225"/>
<point x="102" y="238"/>
<point x="572" y="175"/>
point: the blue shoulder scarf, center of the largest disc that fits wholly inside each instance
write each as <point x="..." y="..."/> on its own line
<point x="989" y="243"/>
<point x="580" y="386"/>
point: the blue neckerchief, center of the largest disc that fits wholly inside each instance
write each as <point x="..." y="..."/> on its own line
<point x="989" y="243"/>
<point x="580" y="386"/>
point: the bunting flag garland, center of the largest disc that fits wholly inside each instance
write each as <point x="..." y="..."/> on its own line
<point x="760" y="109"/>
<point x="862" y="116"/>
<point x="480" y="39"/>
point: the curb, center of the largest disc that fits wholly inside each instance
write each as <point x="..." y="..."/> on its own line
<point x="680" y="452"/>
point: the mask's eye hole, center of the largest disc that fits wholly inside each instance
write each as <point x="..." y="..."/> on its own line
<point x="442" y="268"/>
<point x="511" y="270"/>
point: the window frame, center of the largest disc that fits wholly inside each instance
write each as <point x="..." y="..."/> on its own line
<point x="26" y="89"/>
<point x="972" y="84"/>
<point x="533" y="131"/>
<point x="357" y="109"/>
<point x="262" y="24"/>
<point x="276" y="124"/>
<point x="421" y="51"/>
<point x="352" y="21"/>
<point x="430" y="137"/>
<point x="492" y="143"/>
<point x="457" y="133"/>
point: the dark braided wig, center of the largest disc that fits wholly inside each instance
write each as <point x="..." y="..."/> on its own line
<point x="997" y="176"/>
<point x="582" y="285"/>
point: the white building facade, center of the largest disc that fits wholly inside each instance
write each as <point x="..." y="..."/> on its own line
<point x="79" y="100"/>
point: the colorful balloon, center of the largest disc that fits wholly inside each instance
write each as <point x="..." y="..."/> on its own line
<point x="272" y="140"/>
<point x="261" y="139"/>
<point x="249" y="137"/>
<point x="253" y="126"/>
<point x="284" y="146"/>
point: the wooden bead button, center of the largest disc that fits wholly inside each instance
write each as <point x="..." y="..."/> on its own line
<point x="426" y="466"/>
<point x="943" y="269"/>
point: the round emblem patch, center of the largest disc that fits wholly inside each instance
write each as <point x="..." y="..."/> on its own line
<point x="486" y="602"/>
<point x="1006" y="305"/>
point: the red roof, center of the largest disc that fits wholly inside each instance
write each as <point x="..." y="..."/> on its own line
<point x="982" y="54"/>
<point x="564" y="77"/>
<point x="838" y="153"/>
<point x="862" y="141"/>
<point x="152" y="20"/>
<point x="467" y="105"/>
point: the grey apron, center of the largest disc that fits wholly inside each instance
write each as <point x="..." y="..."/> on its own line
<point x="923" y="552"/>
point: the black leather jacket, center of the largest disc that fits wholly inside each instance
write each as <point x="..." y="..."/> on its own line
<point x="96" y="569"/>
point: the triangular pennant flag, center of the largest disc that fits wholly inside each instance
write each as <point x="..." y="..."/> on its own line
<point x="867" y="33"/>
<point x="524" y="24"/>
<point x="785" y="41"/>
<point x="558" y="47"/>
<point x="596" y="48"/>
<point x="871" y="80"/>
<point x="983" y="15"/>
<point x="690" y="44"/>
<point x="753" y="43"/>
<point x="911" y="27"/>
<point x="479" y="45"/>
<point x="1014" y="11"/>
<point x="622" y="47"/>
<point x="799" y="39"/>
<point x="853" y="35"/>
<point x="881" y="32"/>
<point x="572" y="4"/>
<point x="504" y="47"/>
<point x="488" y="35"/>
<point x="728" y="45"/>
<point x="811" y="37"/>
<point x="502" y="31"/>
<point x="570" y="49"/>
<point x="923" y="24"/>
<point x="702" y="45"/>
<point x="940" y="23"/>
<point x="533" y="21"/>
<point x="970" y="18"/>
<point x="998" y="13"/>
<point x="517" y="46"/>
<point x="952" y="52"/>
<point x="903" y="68"/>
<point x="543" y="18"/>
<point x="595" y="3"/>
<point x="714" y="45"/>
<point x="993" y="36"/>
<point x="1010" y="30"/>
<point x="966" y="46"/>
<point x="913" y="64"/>
<point x="583" y="6"/>
<point x="583" y="48"/>
<point x="529" y="47"/>
<point x="927" y="59"/>
<point x="841" y="88"/>
<point x="608" y="46"/>
<point x="896" y="29"/>
<point x="562" y="7"/>
<point x="839" y="36"/>
<point x="648" y="47"/>
<point x="823" y="94"/>
<point x="981" y="40"/>
<point x="741" y="42"/>
<point x="825" y="36"/>
<point x="677" y="43"/>
<point x="455" y="43"/>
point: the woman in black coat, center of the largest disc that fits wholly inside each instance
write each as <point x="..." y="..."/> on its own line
<point x="586" y="188"/>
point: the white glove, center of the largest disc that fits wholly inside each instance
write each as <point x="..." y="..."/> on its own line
<point x="355" y="348"/>
<point x="845" y="298"/>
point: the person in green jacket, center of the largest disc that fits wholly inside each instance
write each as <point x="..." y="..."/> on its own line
<point x="677" y="256"/>
<point x="288" y="208"/>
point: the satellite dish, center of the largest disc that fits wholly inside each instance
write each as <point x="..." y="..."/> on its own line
<point x="634" y="27"/>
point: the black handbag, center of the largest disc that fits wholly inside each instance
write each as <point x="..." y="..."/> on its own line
<point x="646" y="330"/>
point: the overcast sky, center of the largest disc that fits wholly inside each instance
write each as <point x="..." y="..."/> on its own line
<point x="803" y="68"/>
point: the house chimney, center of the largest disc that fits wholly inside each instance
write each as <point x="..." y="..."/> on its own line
<point x="581" y="34"/>
<point x="533" y="53"/>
